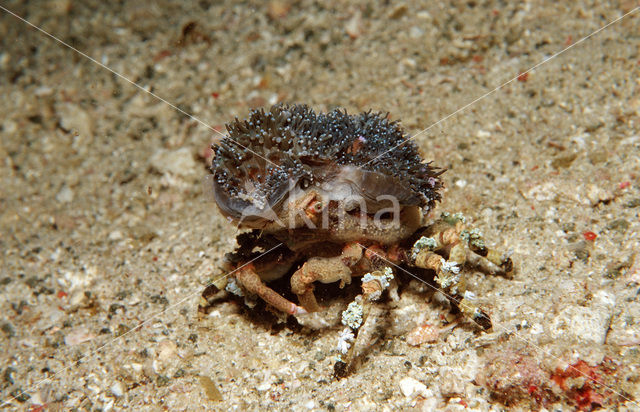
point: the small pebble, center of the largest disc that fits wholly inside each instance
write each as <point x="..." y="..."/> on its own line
<point x="78" y="298"/>
<point x="398" y="11"/>
<point x="264" y="386"/>
<point x="116" y="235"/>
<point x="423" y="334"/>
<point x="210" y="388"/>
<point x="117" y="389"/>
<point x="411" y="387"/>
<point x="277" y="9"/>
<point x="461" y="183"/>
<point x="166" y="350"/>
<point x="78" y="336"/>
<point x="354" y="26"/>
<point x="65" y="195"/>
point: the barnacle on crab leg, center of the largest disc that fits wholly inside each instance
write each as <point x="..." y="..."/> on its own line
<point x="361" y="319"/>
<point x="464" y="247"/>
<point x="449" y="278"/>
<point x="325" y="270"/>
<point x="353" y="343"/>
<point x="251" y="281"/>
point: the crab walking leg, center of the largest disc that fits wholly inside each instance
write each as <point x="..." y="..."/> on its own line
<point x="365" y="335"/>
<point x="450" y="231"/>
<point x="449" y="279"/>
<point x="325" y="270"/>
<point x="488" y="261"/>
<point x="251" y="281"/>
<point x="361" y="320"/>
<point x="493" y="264"/>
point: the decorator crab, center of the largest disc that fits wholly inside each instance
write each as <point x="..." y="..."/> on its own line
<point x="326" y="201"/>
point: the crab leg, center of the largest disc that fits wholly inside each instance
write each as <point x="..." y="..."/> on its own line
<point x="465" y="247"/>
<point x="359" y="339"/>
<point x="449" y="279"/>
<point x="251" y="281"/>
<point x="492" y="264"/>
<point x="362" y="318"/>
<point x="488" y="261"/>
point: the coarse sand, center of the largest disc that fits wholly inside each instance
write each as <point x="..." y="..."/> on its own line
<point x="107" y="237"/>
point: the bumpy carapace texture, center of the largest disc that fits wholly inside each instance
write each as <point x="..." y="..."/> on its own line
<point x="291" y="147"/>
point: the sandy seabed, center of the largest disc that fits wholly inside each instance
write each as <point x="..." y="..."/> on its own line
<point x="107" y="239"/>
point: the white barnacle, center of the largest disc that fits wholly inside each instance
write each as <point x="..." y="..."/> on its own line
<point x="232" y="287"/>
<point x="347" y="335"/>
<point x="473" y="237"/>
<point x="459" y="216"/>
<point x="352" y="316"/>
<point x="344" y="338"/>
<point x="453" y="219"/>
<point x="449" y="274"/>
<point x="383" y="278"/>
<point x="451" y="267"/>
<point x="476" y="233"/>
<point x="424" y="242"/>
